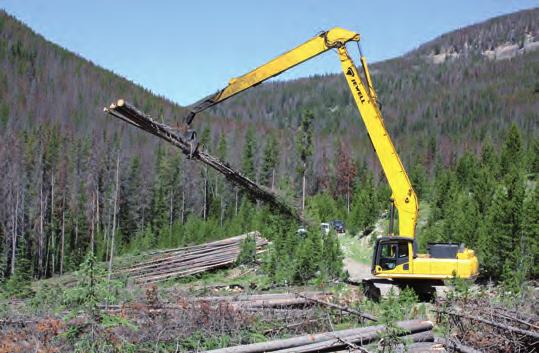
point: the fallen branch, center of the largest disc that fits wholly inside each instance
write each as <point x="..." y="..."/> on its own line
<point x="340" y="307"/>
<point x="491" y="323"/>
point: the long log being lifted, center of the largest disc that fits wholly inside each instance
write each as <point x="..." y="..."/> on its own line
<point x="127" y="112"/>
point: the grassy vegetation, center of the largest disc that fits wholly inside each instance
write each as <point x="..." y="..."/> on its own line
<point x="358" y="250"/>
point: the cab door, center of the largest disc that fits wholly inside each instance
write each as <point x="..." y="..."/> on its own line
<point x="393" y="257"/>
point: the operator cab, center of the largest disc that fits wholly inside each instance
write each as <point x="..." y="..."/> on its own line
<point x="391" y="252"/>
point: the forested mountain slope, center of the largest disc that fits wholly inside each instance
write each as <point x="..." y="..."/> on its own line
<point x="58" y="151"/>
<point x="454" y="105"/>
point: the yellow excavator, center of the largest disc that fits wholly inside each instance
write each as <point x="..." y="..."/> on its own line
<point x="395" y="256"/>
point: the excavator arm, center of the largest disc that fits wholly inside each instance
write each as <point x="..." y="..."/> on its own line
<point x="403" y="196"/>
<point x="325" y="41"/>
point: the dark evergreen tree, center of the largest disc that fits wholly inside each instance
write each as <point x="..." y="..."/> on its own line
<point x="270" y="160"/>
<point x="304" y="149"/>
<point x="248" y="164"/>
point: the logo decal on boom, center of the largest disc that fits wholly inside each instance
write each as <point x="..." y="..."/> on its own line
<point x="350" y="72"/>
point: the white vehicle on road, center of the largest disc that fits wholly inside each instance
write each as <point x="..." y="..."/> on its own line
<point x="325" y="228"/>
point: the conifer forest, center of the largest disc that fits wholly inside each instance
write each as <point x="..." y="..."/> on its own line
<point x="112" y="240"/>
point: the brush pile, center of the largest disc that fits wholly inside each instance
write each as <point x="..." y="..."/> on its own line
<point x="478" y="324"/>
<point x="186" y="261"/>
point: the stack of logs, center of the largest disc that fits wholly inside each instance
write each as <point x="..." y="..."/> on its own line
<point x="182" y="262"/>
<point x="349" y="339"/>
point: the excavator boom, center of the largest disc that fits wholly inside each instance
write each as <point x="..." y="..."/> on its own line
<point x="403" y="195"/>
<point x="323" y="42"/>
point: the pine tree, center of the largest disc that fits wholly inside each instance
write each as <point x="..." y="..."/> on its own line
<point x="530" y="231"/>
<point x="332" y="256"/>
<point x="222" y="147"/>
<point x="221" y="188"/>
<point x="248" y="156"/>
<point x="463" y="219"/>
<point x="159" y="206"/>
<point x="269" y="162"/>
<point x="365" y="205"/>
<point x="512" y="151"/>
<point x="304" y="149"/>
<point x="418" y="176"/>
<point x="500" y="237"/>
<point x="131" y="202"/>
<point x="345" y="172"/>
<point x="534" y="157"/>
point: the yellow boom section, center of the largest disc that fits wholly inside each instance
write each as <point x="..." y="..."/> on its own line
<point x="404" y="197"/>
<point x="333" y="38"/>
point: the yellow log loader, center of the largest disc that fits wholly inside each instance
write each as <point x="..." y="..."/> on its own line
<point x="395" y="257"/>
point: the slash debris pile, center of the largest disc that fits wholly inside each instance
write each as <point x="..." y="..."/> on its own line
<point x="182" y="262"/>
<point x="479" y="324"/>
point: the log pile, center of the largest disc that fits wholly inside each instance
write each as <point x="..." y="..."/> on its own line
<point x="267" y="300"/>
<point x="186" y="261"/>
<point x="130" y="114"/>
<point x="415" y="330"/>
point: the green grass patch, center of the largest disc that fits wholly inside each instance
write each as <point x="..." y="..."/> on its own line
<point x="355" y="249"/>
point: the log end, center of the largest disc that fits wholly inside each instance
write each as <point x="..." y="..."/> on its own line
<point x="120" y="103"/>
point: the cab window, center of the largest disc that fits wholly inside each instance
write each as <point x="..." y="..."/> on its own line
<point x="403" y="250"/>
<point x="388" y="256"/>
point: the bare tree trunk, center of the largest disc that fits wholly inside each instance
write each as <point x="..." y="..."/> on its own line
<point x="222" y="215"/>
<point x="348" y="198"/>
<point x="41" y="235"/>
<point x="273" y="179"/>
<point x="183" y="206"/>
<point x="303" y="195"/>
<point x="114" y="214"/>
<point x="77" y="234"/>
<point x="97" y="218"/>
<point x="14" y="234"/>
<point x="62" y="241"/>
<point x="205" y="211"/>
<point x="92" y="227"/>
<point x="170" y="213"/>
<point x="53" y="228"/>
<point x="236" y="201"/>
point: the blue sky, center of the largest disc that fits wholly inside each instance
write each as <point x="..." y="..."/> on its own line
<point x="189" y="49"/>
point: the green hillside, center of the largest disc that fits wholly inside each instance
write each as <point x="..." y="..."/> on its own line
<point x="58" y="151"/>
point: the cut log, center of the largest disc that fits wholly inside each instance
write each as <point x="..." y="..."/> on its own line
<point x="264" y="296"/>
<point x="356" y="334"/>
<point x="457" y="346"/>
<point x="127" y="112"/>
<point x="340" y="342"/>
